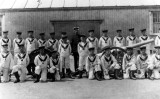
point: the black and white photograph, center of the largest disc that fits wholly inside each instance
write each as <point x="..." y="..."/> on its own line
<point x="79" y="49"/>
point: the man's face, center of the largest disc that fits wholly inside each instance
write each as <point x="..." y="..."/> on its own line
<point x="91" y="52"/>
<point x="104" y="34"/>
<point x="52" y="36"/>
<point x="5" y="35"/>
<point x="76" y="31"/>
<point x="42" y="37"/>
<point x="131" y="32"/>
<point x="18" y="36"/>
<point x="129" y="51"/>
<point x="42" y="51"/>
<point x="82" y="39"/>
<point x="143" y="51"/>
<point x="91" y="34"/>
<point x="107" y="52"/>
<point x="119" y="33"/>
<point x="158" y="51"/>
<point x="143" y="33"/>
<point x="21" y="48"/>
<point x="30" y="34"/>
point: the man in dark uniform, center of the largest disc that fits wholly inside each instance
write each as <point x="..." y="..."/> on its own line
<point x="74" y="42"/>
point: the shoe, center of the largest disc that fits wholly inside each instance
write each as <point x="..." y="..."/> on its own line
<point x="80" y="74"/>
<point x="17" y="77"/>
<point x="37" y="78"/>
<point x="69" y="74"/>
<point x="117" y="74"/>
<point x="98" y="75"/>
<point x="53" y="77"/>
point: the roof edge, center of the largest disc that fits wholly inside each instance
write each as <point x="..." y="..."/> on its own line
<point x="81" y="8"/>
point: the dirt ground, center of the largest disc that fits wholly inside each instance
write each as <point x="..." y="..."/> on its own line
<point x="82" y="89"/>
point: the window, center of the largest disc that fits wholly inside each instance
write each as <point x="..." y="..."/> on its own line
<point x="154" y="22"/>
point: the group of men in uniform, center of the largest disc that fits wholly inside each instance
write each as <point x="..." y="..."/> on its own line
<point x="99" y="66"/>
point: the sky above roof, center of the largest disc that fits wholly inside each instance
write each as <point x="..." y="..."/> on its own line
<point x="14" y="4"/>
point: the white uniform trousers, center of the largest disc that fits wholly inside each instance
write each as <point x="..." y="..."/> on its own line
<point x="43" y="71"/>
<point x="105" y="72"/>
<point x="22" y="71"/>
<point x="64" y="62"/>
<point x="82" y="62"/>
<point x="56" y="71"/>
<point x="128" y="69"/>
<point x="92" y="71"/>
<point x="5" y="72"/>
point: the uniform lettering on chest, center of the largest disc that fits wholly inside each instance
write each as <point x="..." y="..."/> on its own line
<point x="105" y="39"/>
<point x="83" y="46"/>
<point x="31" y="40"/>
<point x="42" y="59"/>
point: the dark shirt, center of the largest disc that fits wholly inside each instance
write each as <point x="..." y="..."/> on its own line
<point x="74" y="42"/>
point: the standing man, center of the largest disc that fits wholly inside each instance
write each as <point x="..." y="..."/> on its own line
<point x="92" y="41"/>
<point x="31" y="44"/>
<point x="42" y="41"/>
<point x="52" y="43"/>
<point x="74" y="42"/>
<point x="131" y="39"/>
<point x="157" y="39"/>
<point x="119" y="40"/>
<point x="18" y="41"/>
<point x="143" y="38"/>
<point x="105" y="40"/>
<point x="5" y="40"/>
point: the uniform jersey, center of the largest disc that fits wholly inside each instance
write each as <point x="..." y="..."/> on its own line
<point x="21" y="59"/>
<point x="119" y="41"/>
<point x="83" y="48"/>
<point x="5" y="41"/>
<point x="16" y="43"/>
<point x="142" y="61"/>
<point x="64" y="49"/>
<point x="31" y="44"/>
<point x="54" y="63"/>
<point x="157" y="41"/>
<point x="92" y="42"/>
<point x="155" y="61"/>
<point x="91" y="62"/>
<point x="104" y="41"/>
<point x="130" y="40"/>
<point x="42" y="61"/>
<point x="42" y="43"/>
<point x="6" y="60"/>
<point x="106" y="62"/>
<point x="53" y="44"/>
<point x="61" y="41"/>
<point x="128" y="61"/>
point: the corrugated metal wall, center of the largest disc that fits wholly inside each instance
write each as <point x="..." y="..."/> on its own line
<point x="39" y="21"/>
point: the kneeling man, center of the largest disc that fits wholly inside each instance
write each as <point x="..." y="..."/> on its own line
<point x="41" y="61"/>
<point x="21" y="61"/>
<point x="109" y="63"/>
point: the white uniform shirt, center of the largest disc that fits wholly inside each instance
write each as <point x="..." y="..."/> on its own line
<point x="83" y="49"/>
<point x="21" y="59"/>
<point x="92" y="61"/>
<point x="61" y="41"/>
<point x="130" y="40"/>
<point x="5" y="41"/>
<point x="42" y="61"/>
<point x="119" y="41"/>
<point x="157" y="41"/>
<point x="64" y="49"/>
<point x="42" y="43"/>
<point x="104" y="41"/>
<point x="106" y="62"/>
<point x="53" y="44"/>
<point x="128" y="60"/>
<point x="6" y="60"/>
<point x="155" y="60"/>
<point x="54" y="63"/>
<point x="142" y="61"/>
<point x="31" y="44"/>
<point x="92" y="42"/>
<point x="17" y="42"/>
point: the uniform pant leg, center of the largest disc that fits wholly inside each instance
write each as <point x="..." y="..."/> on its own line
<point x="76" y="56"/>
<point x="5" y="76"/>
<point x="126" y="75"/>
<point x="38" y="70"/>
<point x="67" y="62"/>
<point x="62" y="63"/>
<point x="91" y="74"/>
<point x="44" y="74"/>
<point x="23" y="73"/>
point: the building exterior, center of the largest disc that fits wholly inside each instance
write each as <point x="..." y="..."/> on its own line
<point x="93" y="17"/>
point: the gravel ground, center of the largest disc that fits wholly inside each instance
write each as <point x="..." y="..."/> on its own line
<point x="82" y="89"/>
